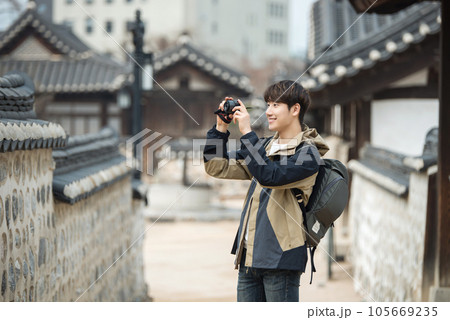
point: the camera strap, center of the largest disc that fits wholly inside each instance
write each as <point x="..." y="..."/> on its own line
<point x="223" y="116"/>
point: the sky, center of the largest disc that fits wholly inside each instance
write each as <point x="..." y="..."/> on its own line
<point x="299" y="26"/>
<point x="7" y="14"/>
<point x="299" y="22"/>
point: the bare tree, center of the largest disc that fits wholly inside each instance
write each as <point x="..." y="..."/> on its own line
<point x="15" y="4"/>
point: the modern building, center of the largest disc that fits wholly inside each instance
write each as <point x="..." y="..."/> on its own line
<point x="329" y="20"/>
<point x="247" y="31"/>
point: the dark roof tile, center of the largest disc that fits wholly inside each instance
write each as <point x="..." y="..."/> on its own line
<point x="77" y="69"/>
<point x="189" y="53"/>
<point x="422" y="20"/>
<point x="87" y="164"/>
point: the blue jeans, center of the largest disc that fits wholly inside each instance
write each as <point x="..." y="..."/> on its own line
<point x="271" y="285"/>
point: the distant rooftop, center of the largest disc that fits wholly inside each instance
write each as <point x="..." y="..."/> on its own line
<point x="57" y="60"/>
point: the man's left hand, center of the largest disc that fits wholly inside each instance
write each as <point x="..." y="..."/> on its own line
<point x="243" y="117"/>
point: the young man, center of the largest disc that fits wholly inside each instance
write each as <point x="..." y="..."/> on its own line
<point x="270" y="243"/>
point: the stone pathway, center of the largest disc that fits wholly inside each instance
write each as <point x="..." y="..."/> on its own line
<point x="190" y="261"/>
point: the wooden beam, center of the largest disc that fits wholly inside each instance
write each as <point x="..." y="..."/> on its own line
<point x="430" y="241"/>
<point x="104" y="114"/>
<point x="444" y="154"/>
<point x="363" y="113"/>
<point x="381" y="6"/>
<point x="347" y="121"/>
<point x="86" y="97"/>
<point x="416" y="92"/>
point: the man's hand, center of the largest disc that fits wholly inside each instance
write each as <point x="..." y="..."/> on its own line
<point x="243" y="117"/>
<point x="221" y="125"/>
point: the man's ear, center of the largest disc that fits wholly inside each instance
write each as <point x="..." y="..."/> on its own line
<point x="296" y="109"/>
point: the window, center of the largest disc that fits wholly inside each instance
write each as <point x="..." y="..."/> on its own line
<point x="109" y="1"/>
<point x="184" y="81"/>
<point x="276" y="37"/>
<point x="69" y="1"/>
<point x="276" y="10"/>
<point x="214" y="27"/>
<point x="251" y="19"/>
<point x="89" y="25"/>
<point x="109" y="26"/>
<point x="89" y="1"/>
<point x="68" y="24"/>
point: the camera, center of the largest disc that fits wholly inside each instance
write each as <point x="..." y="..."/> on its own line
<point x="229" y="105"/>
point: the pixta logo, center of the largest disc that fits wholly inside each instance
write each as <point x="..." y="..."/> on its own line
<point x="144" y="141"/>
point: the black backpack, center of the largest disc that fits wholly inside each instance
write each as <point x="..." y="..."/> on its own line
<point x="326" y="202"/>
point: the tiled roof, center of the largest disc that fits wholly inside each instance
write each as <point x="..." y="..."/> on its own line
<point x="15" y="95"/>
<point x="19" y="130"/>
<point x="72" y="66"/>
<point x="422" y="20"/>
<point x="59" y="37"/>
<point x="87" y="165"/>
<point x="70" y="76"/>
<point x="188" y="53"/>
<point x="391" y="170"/>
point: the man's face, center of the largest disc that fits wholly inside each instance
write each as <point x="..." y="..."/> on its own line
<point x="279" y="116"/>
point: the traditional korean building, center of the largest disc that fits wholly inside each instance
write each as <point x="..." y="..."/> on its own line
<point x="379" y="98"/>
<point x="189" y="87"/>
<point x="75" y="86"/>
<point x="78" y="87"/>
<point x="382" y="89"/>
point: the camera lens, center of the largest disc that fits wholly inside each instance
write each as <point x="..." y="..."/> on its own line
<point x="229" y="105"/>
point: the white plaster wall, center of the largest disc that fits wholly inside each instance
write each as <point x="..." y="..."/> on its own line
<point x="401" y="125"/>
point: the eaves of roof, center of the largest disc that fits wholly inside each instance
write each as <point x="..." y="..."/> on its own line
<point x="88" y="164"/>
<point x="70" y="76"/>
<point x="59" y="37"/>
<point x="347" y="62"/>
<point x="188" y="53"/>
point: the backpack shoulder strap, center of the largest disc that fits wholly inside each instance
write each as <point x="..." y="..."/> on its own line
<point x="267" y="141"/>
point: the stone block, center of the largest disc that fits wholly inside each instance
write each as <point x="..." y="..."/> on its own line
<point x="440" y="294"/>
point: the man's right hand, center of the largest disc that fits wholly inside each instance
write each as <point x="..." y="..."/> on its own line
<point x="221" y="125"/>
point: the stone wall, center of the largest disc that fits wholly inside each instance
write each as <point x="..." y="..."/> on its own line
<point x="388" y="239"/>
<point x="55" y="251"/>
